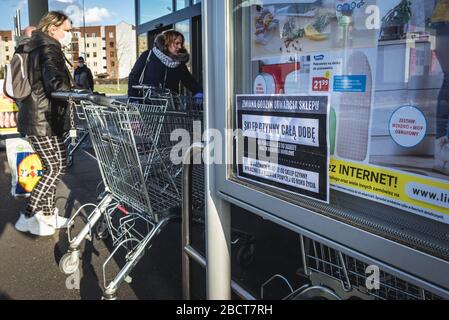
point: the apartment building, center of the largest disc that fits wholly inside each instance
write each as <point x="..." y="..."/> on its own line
<point x="109" y="51"/>
<point x="7" y="45"/>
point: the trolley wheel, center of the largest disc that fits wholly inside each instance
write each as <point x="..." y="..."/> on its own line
<point x="245" y="254"/>
<point x="101" y="230"/>
<point x="69" y="263"/>
<point x="316" y="293"/>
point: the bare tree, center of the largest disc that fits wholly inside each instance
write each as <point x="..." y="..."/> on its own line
<point x="121" y="52"/>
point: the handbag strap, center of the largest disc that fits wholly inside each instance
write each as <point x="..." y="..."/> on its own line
<point x="142" y="76"/>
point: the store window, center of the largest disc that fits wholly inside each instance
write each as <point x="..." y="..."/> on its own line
<point x="151" y="10"/>
<point x="184" y="28"/>
<point x="142" y="43"/>
<point x="382" y="67"/>
<point x="181" y="4"/>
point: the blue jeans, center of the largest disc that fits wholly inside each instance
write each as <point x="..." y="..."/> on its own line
<point x="443" y="110"/>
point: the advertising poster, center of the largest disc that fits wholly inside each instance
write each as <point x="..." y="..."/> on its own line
<point x="388" y="117"/>
<point x="392" y="150"/>
<point x="298" y="27"/>
<point x="284" y="143"/>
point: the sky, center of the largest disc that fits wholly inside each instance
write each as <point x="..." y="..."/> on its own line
<point x="97" y="12"/>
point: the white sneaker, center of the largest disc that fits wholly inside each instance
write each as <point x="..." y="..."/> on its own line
<point x="34" y="225"/>
<point x="442" y="155"/>
<point x="56" y="221"/>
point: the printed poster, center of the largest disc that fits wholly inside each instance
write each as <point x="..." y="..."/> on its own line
<point x="299" y="27"/>
<point x="389" y="142"/>
<point x="284" y="143"/>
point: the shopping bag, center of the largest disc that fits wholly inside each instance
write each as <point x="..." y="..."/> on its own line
<point x="26" y="166"/>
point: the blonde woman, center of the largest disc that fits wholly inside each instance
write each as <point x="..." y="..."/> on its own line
<point x="44" y="120"/>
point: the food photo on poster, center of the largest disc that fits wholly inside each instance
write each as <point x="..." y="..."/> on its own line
<point x="295" y="27"/>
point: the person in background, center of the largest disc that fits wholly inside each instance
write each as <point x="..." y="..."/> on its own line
<point x="26" y="35"/>
<point x="440" y="21"/>
<point x="164" y="66"/>
<point x="83" y="76"/>
<point x="44" y="120"/>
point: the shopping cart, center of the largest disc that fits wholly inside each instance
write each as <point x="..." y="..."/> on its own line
<point x="140" y="168"/>
<point x="177" y="106"/>
<point x="335" y="275"/>
<point x="72" y="145"/>
<point x="329" y="274"/>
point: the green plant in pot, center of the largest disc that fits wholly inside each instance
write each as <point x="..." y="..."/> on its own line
<point x="395" y="22"/>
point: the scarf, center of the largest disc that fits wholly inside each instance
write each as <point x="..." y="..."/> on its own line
<point x="166" y="60"/>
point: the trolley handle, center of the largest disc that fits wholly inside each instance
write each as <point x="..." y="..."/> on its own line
<point x="152" y="89"/>
<point x="83" y="95"/>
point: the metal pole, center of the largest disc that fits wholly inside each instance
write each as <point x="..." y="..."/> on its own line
<point x="186" y="221"/>
<point x="218" y="249"/>
<point x="84" y="30"/>
<point x="18" y="25"/>
<point x="36" y="10"/>
<point x="188" y="251"/>
<point x="218" y="216"/>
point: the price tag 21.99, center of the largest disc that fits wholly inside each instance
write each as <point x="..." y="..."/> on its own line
<point x="321" y="84"/>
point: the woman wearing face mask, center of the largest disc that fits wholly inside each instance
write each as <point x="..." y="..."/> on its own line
<point x="44" y="120"/>
<point x="164" y="66"/>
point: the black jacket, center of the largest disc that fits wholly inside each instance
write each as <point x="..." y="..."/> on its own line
<point x="39" y="114"/>
<point x="84" y="79"/>
<point x="159" y="75"/>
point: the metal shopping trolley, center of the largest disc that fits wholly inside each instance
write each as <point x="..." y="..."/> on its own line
<point x="141" y="169"/>
<point x="334" y="275"/>
<point x="72" y="144"/>
<point x="177" y="106"/>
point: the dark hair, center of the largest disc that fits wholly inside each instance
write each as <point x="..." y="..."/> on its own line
<point x="80" y="59"/>
<point x="53" y="18"/>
